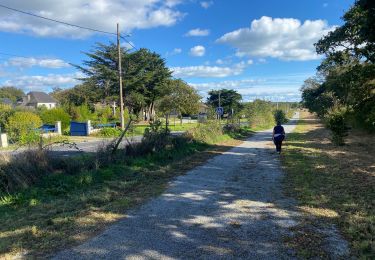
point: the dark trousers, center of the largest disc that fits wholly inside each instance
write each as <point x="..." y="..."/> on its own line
<point x="278" y="146"/>
<point x="278" y="141"/>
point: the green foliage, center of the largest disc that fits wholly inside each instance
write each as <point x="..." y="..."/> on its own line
<point x="21" y="126"/>
<point x="109" y="132"/>
<point x="105" y="114"/>
<point x="280" y="116"/>
<point x="229" y="99"/>
<point x="5" y="112"/>
<point x="12" y="93"/>
<point x="259" y="113"/>
<point x="208" y="132"/>
<point x="50" y="116"/>
<point x="335" y="121"/>
<point x="348" y="71"/>
<point x="181" y="98"/>
<point x="81" y="113"/>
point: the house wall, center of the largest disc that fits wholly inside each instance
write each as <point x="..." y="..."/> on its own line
<point x="47" y="105"/>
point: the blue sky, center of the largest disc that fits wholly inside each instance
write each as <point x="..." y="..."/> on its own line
<point x="262" y="49"/>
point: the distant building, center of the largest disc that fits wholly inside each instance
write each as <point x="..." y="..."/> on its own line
<point x="36" y="99"/>
<point x="6" y="101"/>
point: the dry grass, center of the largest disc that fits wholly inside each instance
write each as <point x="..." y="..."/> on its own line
<point x="334" y="184"/>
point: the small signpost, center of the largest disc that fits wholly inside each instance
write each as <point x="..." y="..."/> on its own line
<point x="220" y="111"/>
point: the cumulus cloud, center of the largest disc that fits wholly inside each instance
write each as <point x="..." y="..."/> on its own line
<point x="198" y="32"/>
<point x="208" y="71"/>
<point x="206" y="4"/>
<point x="175" y="51"/>
<point x="198" y="51"/>
<point x="30" y="62"/>
<point x="131" y="14"/>
<point x="45" y="82"/>
<point x="283" y="38"/>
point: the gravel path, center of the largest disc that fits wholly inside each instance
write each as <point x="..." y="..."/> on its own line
<point x="230" y="208"/>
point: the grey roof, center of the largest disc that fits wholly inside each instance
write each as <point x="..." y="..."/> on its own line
<point x="6" y="101"/>
<point x="40" y="97"/>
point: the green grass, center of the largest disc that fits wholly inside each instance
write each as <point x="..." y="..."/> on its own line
<point x="333" y="184"/>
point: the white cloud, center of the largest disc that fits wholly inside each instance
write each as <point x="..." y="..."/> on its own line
<point x="275" y="88"/>
<point x="206" y="4"/>
<point x="250" y="62"/>
<point x="198" y="32"/>
<point x="219" y="61"/>
<point x="283" y="38"/>
<point x="208" y="71"/>
<point x="45" y="82"/>
<point x="98" y="14"/>
<point x="30" y="62"/>
<point x="175" y="51"/>
<point x="198" y="51"/>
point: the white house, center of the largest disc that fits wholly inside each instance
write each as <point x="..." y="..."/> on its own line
<point x="37" y="99"/>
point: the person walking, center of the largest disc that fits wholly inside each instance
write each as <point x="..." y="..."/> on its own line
<point x="278" y="136"/>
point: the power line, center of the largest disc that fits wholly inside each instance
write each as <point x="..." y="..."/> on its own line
<point x="57" y="21"/>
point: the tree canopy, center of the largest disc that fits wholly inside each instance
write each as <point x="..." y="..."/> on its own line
<point x="347" y="74"/>
<point x="12" y="93"/>
<point x="229" y="99"/>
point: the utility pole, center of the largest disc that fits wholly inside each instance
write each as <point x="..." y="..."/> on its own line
<point x="120" y="77"/>
<point x="219" y="106"/>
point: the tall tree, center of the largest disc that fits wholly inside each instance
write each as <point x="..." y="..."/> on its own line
<point x="229" y="99"/>
<point x="145" y="75"/>
<point x="180" y="97"/>
<point x="12" y="93"/>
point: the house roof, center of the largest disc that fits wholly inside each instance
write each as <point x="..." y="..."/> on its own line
<point x="40" y="97"/>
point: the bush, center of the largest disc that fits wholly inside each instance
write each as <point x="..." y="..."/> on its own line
<point x="280" y="116"/>
<point x="21" y="127"/>
<point x="5" y="112"/>
<point x="335" y="121"/>
<point x="208" y="132"/>
<point x="259" y="113"/>
<point x="109" y="132"/>
<point x="50" y="116"/>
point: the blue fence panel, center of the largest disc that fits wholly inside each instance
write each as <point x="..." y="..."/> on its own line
<point x="46" y="128"/>
<point x="78" y="129"/>
<point x="105" y="125"/>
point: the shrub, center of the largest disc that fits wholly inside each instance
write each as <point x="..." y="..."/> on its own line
<point x="280" y="116"/>
<point x="109" y="132"/>
<point x="259" y="113"/>
<point x="50" y="116"/>
<point x="335" y="121"/>
<point x="5" y="112"/>
<point x="21" y="126"/>
<point x="208" y="132"/>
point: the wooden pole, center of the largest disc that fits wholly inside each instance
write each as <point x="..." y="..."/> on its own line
<point x="120" y="78"/>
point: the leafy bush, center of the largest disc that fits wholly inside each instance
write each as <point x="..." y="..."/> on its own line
<point x="109" y="132"/>
<point x="50" y="116"/>
<point x="208" y="132"/>
<point x="155" y="138"/>
<point x="21" y="127"/>
<point x="259" y="113"/>
<point x="5" y="112"/>
<point x="335" y="121"/>
<point x="280" y="116"/>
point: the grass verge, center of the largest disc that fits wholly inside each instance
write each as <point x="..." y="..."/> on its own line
<point x="63" y="210"/>
<point x="333" y="184"/>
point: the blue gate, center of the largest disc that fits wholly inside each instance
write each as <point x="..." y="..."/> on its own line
<point x="78" y="129"/>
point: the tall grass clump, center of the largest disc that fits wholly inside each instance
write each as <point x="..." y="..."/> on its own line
<point x="209" y="132"/>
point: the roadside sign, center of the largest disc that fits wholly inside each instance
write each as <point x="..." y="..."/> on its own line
<point x="219" y="110"/>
